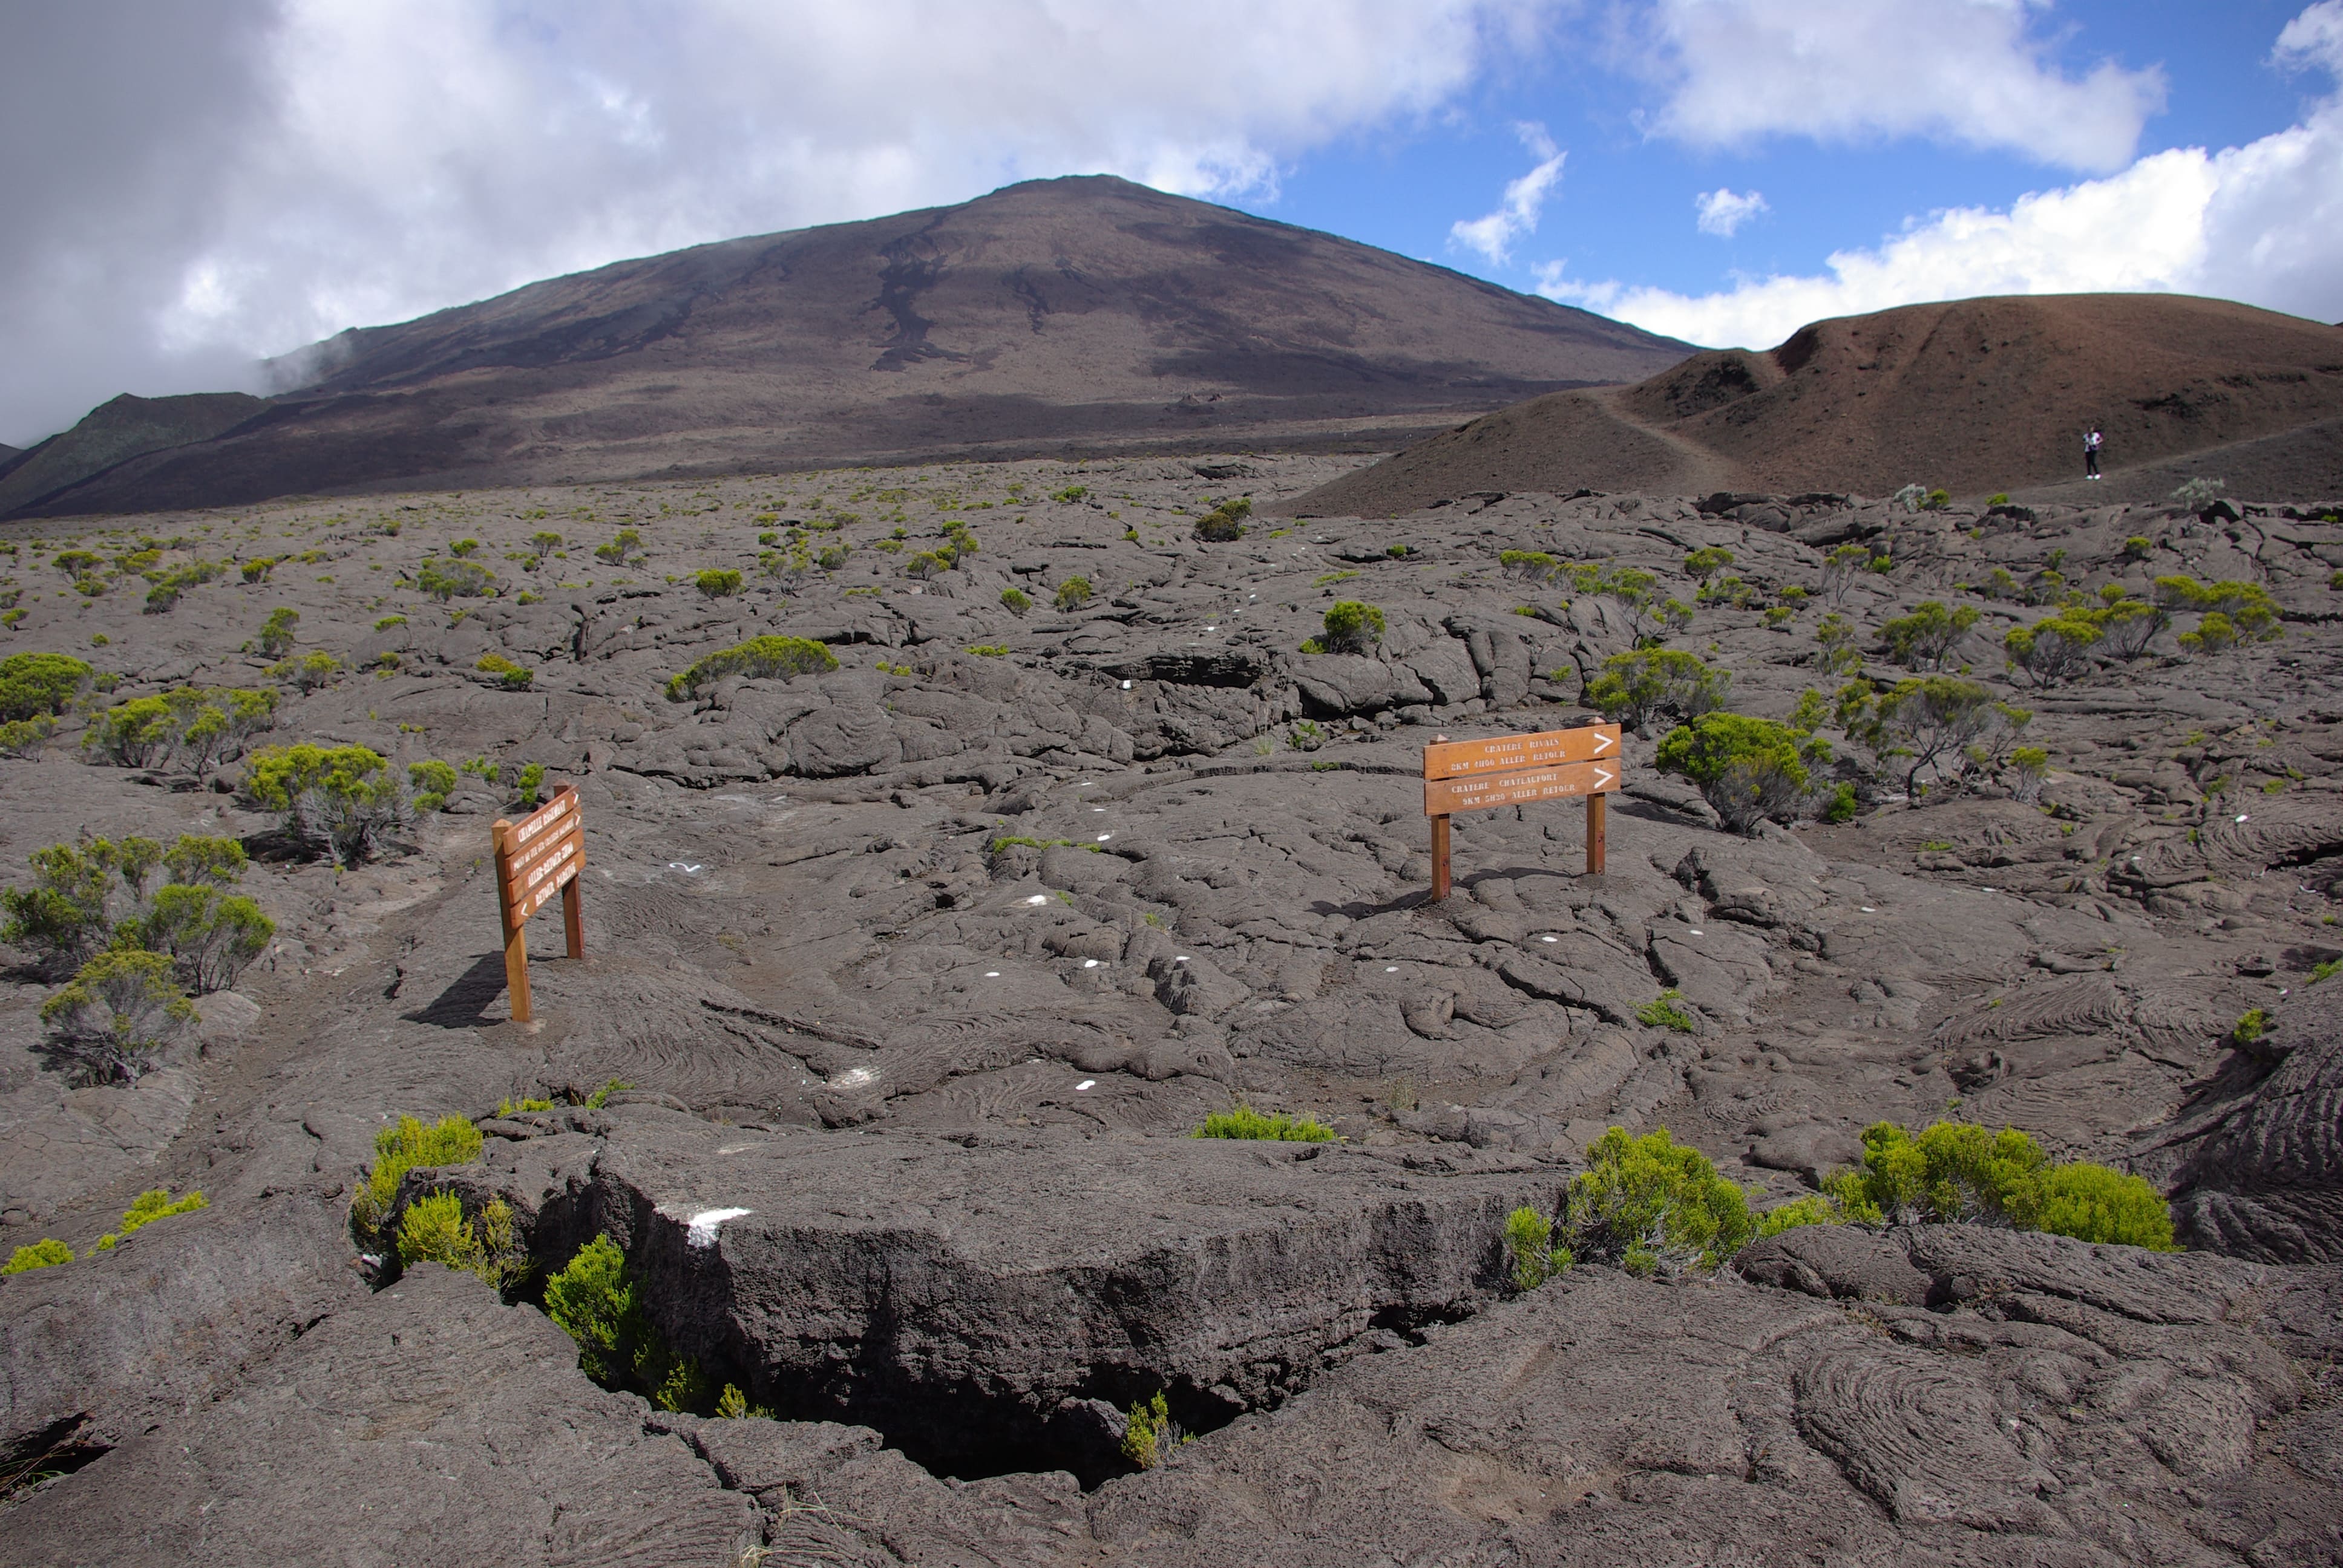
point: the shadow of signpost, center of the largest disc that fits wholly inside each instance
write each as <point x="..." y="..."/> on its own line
<point x="464" y="1004"/>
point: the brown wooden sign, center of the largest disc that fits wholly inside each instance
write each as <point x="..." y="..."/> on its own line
<point x="1521" y="770"/>
<point x="538" y="857"/>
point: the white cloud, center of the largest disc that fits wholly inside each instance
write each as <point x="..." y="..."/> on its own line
<point x="222" y="182"/>
<point x="1722" y="212"/>
<point x="2258" y="223"/>
<point x="1517" y="215"/>
<point x="1974" y="73"/>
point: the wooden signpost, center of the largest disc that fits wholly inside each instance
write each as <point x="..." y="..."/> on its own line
<point x="1517" y="771"/>
<point x="538" y="857"/>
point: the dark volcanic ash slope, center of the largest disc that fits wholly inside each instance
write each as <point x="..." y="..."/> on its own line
<point x="922" y="969"/>
<point x="1976" y="396"/>
<point x="1055" y="315"/>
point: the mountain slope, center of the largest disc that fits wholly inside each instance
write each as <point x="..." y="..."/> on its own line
<point x="1976" y="396"/>
<point x="1073" y="314"/>
<point x="114" y="433"/>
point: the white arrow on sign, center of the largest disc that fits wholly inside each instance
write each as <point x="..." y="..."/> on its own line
<point x="1603" y="742"/>
<point x="1602" y="778"/>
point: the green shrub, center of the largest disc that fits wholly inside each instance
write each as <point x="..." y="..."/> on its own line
<point x="717" y="582"/>
<point x="117" y="1014"/>
<point x="2198" y="494"/>
<point x="1750" y="770"/>
<point x="345" y="798"/>
<point x="432" y="782"/>
<point x="1957" y="1171"/>
<point x="63" y="915"/>
<point x="403" y="1146"/>
<point x="45" y="1253"/>
<point x="1353" y="627"/>
<point x="1649" y="683"/>
<point x="1073" y="593"/>
<point x="1245" y="1121"/>
<point x="1224" y="522"/>
<point x="1843" y="806"/>
<point x="2052" y="650"/>
<point x="2252" y="1025"/>
<point x="168" y="586"/>
<point x="257" y="569"/>
<point x="1650" y="1204"/>
<point x="433" y="1230"/>
<point x="2137" y="547"/>
<point x="1705" y="563"/>
<point x="386" y="622"/>
<point x="156" y="1204"/>
<point x="510" y="676"/>
<point x="459" y="548"/>
<point x="1531" y="1257"/>
<point x="599" y="1306"/>
<point x="33" y="684"/>
<point x="1666" y="1010"/>
<point x="1813" y="1208"/>
<point x="1150" y="1436"/>
<point x="23" y="738"/>
<point x="1535" y="566"/>
<point x="210" y="937"/>
<point x="308" y="673"/>
<point x="1650" y="617"/>
<point x="758" y="658"/>
<point x="1016" y="600"/>
<point x="444" y="580"/>
<point x="1929" y="720"/>
<point x="1070" y="495"/>
<point x="1926" y="637"/>
<point x="544" y="542"/>
<point x="276" y="635"/>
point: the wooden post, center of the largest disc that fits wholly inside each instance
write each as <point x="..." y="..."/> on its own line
<point x="573" y="917"/>
<point x="1439" y="859"/>
<point x="1598" y="814"/>
<point x="516" y="941"/>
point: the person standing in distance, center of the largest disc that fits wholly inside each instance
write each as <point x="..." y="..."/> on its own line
<point x="2091" y="453"/>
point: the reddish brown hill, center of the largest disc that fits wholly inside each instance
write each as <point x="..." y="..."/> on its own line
<point x="1085" y="315"/>
<point x="1976" y="395"/>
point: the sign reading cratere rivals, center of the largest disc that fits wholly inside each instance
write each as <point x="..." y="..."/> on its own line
<point x="1520" y="770"/>
<point x="538" y="857"/>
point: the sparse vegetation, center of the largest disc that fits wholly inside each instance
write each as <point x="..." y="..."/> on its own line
<point x="1749" y="769"/>
<point x="405" y="1146"/>
<point x="1653" y="1205"/>
<point x="117" y="1015"/>
<point x="1150" y="1436"/>
<point x="1637" y="688"/>
<point x="1530" y="1256"/>
<point x="1073" y="593"/>
<point x="1666" y="1010"/>
<point x="1245" y="1121"/>
<point x="445" y="580"/>
<point x="1350" y="627"/>
<point x="45" y="1253"/>
<point x="35" y="685"/>
<point x="345" y="799"/>
<point x="1224" y="524"/>
<point x="1927" y="637"/>
<point x="599" y="1305"/>
<point x="718" y="582"/>
<point x="758" y="658"/>
<point x="1957" y="1171"/>
<point x="434" y="1229"/>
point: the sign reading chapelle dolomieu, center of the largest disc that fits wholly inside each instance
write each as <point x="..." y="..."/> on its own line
<point x="1520" y="770"/>
<point x="538" y="857"/>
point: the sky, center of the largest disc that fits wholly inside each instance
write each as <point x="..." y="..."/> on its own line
<point x="193" y="185"/>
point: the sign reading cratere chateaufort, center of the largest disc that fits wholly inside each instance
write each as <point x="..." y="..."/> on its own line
<point x="1521" y="770"/>
<point x="538" y="857"/>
